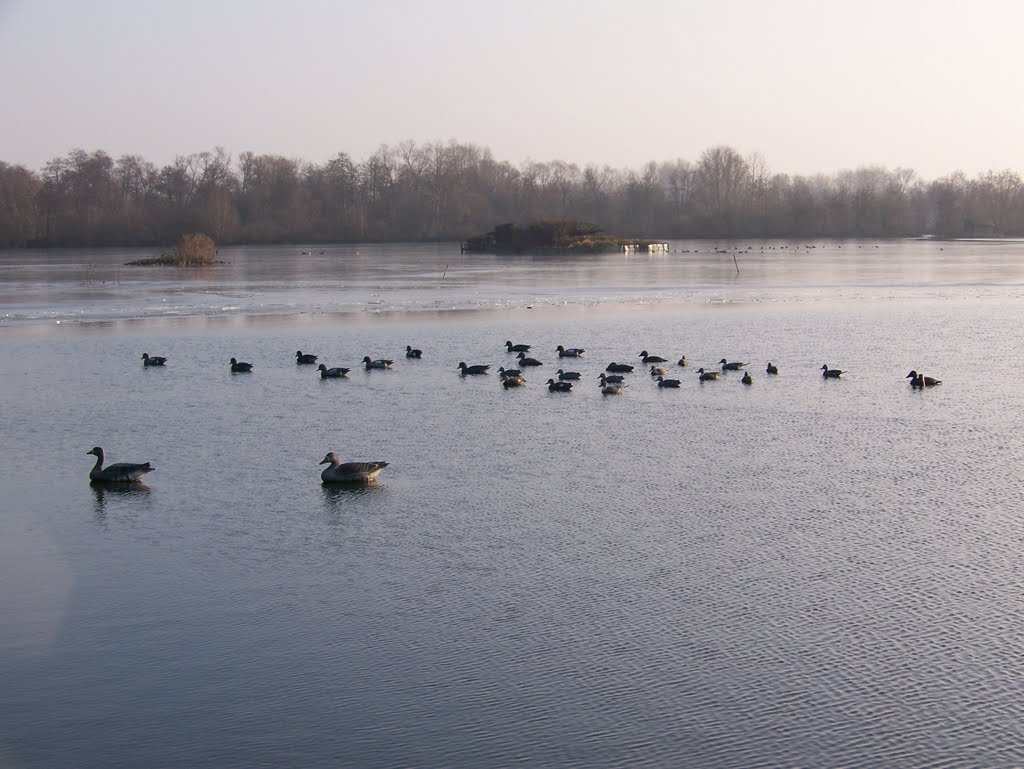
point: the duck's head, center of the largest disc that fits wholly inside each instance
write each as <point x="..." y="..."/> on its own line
<point x="330" y="459"/>
<point x="911" y="375"/>
<point x="643" y="353"/>
<point x="321" y="367"/>
<point x="723" y="360"/>
<point x="462" y="364"/>
<point x="298" y="353"/>
<point x="96" y="451"/>
<point x="366" y="359"/>
<point x="824" y="367"/>
<point x="700" y="370"/>
<point x="233" y="361"/>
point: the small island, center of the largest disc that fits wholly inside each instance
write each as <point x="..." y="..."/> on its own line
<point x="555" y="236"/>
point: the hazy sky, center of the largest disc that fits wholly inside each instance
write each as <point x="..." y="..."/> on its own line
<point x="813" y="85"/>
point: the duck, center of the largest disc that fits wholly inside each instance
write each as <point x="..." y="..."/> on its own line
<point x="684" y="362"/>
<point x="152" y="360"/>
<point x="619" y="368"/>
<point x="651" y="358"/>
<point x="304" y="358"/>
<point x="656" y="371"/>
<point x="122" y="472"/>
<point x="380" y="363"/>
<point x="332" y="373"/>
<point x="831" y="373"/>
<point x="524" y="361"/>
<point x="350" y="472"/>
<point x="512" y="381"/>
<point x="411" y="353"/>
<point x="662" y="382"/>
<point x="568" y="376"/>
<point x="559" y="387"/>
<point x="237" y="367"/>
<point x="747" y="379"/>
<point x="771" y="368"/>
<point x="611" y="389"/>
<point x="733" y="366"/>
<point x="508" y="373"/>
<point x="472" y="370"/>
<point x="516" y="347"/>
<point x="613" y="379"/>
<point x="570" y="352"/>
<point x="707" y="376"/>
<point x="920" y="380"/>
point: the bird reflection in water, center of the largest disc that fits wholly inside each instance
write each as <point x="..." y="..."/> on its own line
<point x="337" y="495"/>
<point x="106" y="493"/>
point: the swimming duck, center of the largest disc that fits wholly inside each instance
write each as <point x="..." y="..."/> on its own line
<point x="571" y="352"/>
<point x="747" y="379"/>
<point x="122" y="472"/>
<point x="559" y="387"/>
<point x="350" y="472"/>
<point x="920" y="380"/>
<point x="516" y="347"/>
<point x="831" y="373"/>
<point x="240" y="368"/>
<point x="512" y="381"/>
<point x="524" y="361"/>
<point x="733" y="366"/>
<point x="684" y="362"/>
<point x="651" y="358"/>
<point x="662" y="382"/>
<point x="152" y="360"/>
<point x="567" y="376"/>
<point x="411" y="353"/>
<point x="472" y="370"/>
<point x="613" y="379"/>
<point x="619" y="368"/>
<point x="771" y="368"/>
<point x="506" y="373"/>
<point x="656" y="371"/>
<point x="380" y="363"/>
<point x="304" y="358"/>
<point x="611" y="389"/>
<point x="707" y="376"/>
<point x="332" y="373"/>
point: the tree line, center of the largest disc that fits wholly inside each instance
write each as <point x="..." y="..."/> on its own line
<point x="450" y="191"/>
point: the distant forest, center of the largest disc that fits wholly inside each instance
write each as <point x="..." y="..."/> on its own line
<point x="450" y="191"/>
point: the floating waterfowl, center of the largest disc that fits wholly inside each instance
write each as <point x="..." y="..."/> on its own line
<point x="237" y="367"/>
<point x="152" y="360"/>
<point x="122" y="472"/>
<point x="747" y="379"/>
<point x="512" y="381"/>
<point x="651" y="358"/>
<point x="613" y="379"/>
<point x="524" y="361"/>
<point x="619" y="368"/>
<point x="731" y="366"/>
<point x="516" y="347"/>
<point x="304" y="358"/>
<point x="684" y="362"/>
<point x="657" y="371"/>
<point x="472" y="370"/>
<point x="506" y="373"/>
<point x="350" y="472"/>
<point x="662" y="382"/>
<point x="707" y="376"/>
<point x="771" y="368"/>
<point x="831" y="373"/>
<point x="411" y="353"/>
<point x="612" y="389"/>
<point x="571" y="352"/>
<point x="568" y="376"/>
<point x="332" y="373"/>
<point x="559" y="387"/>
<point x="380" y="363"/>
<point x="920" y="380"/>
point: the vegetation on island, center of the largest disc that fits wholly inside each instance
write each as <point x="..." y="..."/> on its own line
<point x="193" y="250"/>
<point x="548" y="235"/>
<point x="452" y="191"/>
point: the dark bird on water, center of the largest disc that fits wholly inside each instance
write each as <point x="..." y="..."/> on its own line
<point x="411" y="353"/>
<point x="122" y="472"/>
<point x="831" y="373"/>
<point x="516" y="347"/>
<point x="238" y="367"/>
<point x="918" y="381"/>
<point x="303" y="358"/>
<point x="152" y="360"/>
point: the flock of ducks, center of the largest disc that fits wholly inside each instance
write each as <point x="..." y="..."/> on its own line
<point x="611" y="381"/>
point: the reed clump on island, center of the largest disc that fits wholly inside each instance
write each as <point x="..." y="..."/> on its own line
<point x="193" y="250"/>
<point x="551" y="236"/>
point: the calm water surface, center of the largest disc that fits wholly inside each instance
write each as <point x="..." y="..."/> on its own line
<point x="798" y="573"/>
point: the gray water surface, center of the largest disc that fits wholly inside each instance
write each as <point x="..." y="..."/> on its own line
<point x="798" y="573"/>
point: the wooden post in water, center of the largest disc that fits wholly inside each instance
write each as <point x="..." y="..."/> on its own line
<point x="736" y="263"/>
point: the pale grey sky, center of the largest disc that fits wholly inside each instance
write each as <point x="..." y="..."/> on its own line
<point x="813" y="85"/>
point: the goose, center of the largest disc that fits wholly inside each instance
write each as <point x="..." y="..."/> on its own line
<point x="411" y="353"/>
<point x="571" y="352"/>
<point x="567" y="376"/>
<point x="508" y="373"/>
<point x="662" y="382"/>
<point x="734" y="366"/>
<point x="380" y="363"/>
<point x="512" y="381"/>
<point x="472" y="370"/>
<point x="651" y="358"/>
<point x="613" y="379"/>
<point x="747" y="379"/>
<point x="619" y="368"/>
<point x="684" y="362"/>
<point x="516" y="347"/>
<point x="831" y="373"/>
<point x="771" y="368"/>
<point x="152" y="360"/>
<point x="559" y="387"/>
<point x="524" y="361"/>
<point x="920" y="380"/>
<point x="707" y="376"/>
<point x="304" y="358"/>
<point x="240" y="368"/>
<point x="349" y="472"/>
<point x="122" y="472"/>
<point x="656" y="371"/>
<point x="332" y="373"/>
<point x="611" y="389"/>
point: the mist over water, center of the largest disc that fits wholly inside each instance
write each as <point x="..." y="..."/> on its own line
<point x="796" y="573"/>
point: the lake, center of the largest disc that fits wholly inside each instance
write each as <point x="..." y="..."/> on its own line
<point x="797" y="573"/>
